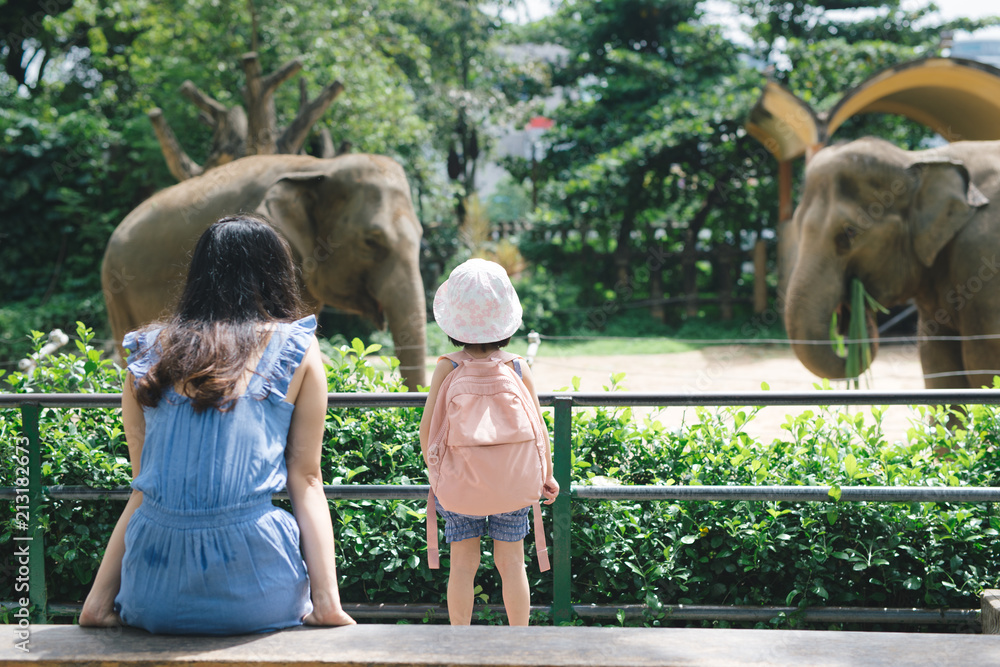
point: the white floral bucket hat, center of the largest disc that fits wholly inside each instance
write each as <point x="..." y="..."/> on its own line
<point x="477" y="304"/>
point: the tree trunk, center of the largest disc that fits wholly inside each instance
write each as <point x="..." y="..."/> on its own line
<point x="181" y="166"/>
<point x="236" y="132"/>
<point x="760" y="276"/>
<point x="296" y="133"/>
<point x="623" y="251"/>
<point x="689" y="269"/>
<point x="787" y="240"/>
<point x="258" y="94"/>
<point x="725" y="281"/>
<point x="657" y="310"/>
<point x="228" y="137"/>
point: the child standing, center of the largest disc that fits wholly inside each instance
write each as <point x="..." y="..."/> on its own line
<point x="477" y="307"/>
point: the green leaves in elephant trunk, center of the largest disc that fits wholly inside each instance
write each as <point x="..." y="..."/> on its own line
<point x="857" y="348"/>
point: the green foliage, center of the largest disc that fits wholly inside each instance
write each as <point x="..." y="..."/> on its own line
<point x="768" y="553"/>
<point x="509" y="202"/>
<point x="656" y="552"/>
<point x="60" y="311"/>
<point x="542" y="295"/>
<point x="65" y="182"/>
<point x="649" y="153"/>
<point x="79" y="447"/>
<point x="857" y="350"/>
<point x="652" y="155"/>
<point x="77" y="152"/>
<point x="811" y="22"/>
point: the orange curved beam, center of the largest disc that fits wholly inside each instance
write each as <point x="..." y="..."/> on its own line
<point x="957" y="98"/>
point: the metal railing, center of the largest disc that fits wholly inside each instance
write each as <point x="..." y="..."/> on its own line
<point x="562" y="608"/>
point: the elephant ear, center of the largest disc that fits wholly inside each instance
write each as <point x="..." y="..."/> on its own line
<point x="288" y="205"/>
<point x="945" y="200"/>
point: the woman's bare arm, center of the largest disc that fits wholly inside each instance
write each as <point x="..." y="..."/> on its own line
<point x="99" y="607"/>
<point x="305" y="488"/>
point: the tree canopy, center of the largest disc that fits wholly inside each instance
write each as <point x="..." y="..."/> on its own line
<point x="648" y="155"/>
<point x="649" y="158"/>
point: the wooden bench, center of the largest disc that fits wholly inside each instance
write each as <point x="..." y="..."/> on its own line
<point x="422" y="645"/>
<point x="990" y="616"/>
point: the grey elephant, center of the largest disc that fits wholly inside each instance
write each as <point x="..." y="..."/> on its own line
<point x="349" y="220"/>
<point x="920" y="225"/>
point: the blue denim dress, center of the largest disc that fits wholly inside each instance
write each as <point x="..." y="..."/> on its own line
<point x="207" y="552"/>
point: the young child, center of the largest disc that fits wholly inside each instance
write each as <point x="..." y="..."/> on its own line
<point x="478" y="309"/>
<point x="224" y="405"/>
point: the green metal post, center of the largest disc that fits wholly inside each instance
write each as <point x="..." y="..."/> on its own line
<point x="35" y="540"/>
<point x="562" y="514"/>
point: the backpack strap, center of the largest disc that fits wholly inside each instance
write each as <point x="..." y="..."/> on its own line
<point x="541" y="549"/>
<point x="433" y="557"/>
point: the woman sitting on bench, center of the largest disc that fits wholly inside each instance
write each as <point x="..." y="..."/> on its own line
<point x="222" y="407"/>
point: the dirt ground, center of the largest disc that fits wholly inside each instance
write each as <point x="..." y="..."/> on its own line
<point x="731" y="368"/>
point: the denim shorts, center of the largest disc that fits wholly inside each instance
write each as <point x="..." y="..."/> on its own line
<point x="506" y="527"/>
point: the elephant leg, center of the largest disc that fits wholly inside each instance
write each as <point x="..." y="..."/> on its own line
<point x="942" y="363"/>
<point x="943" y="367"/>
<point x="981" y="357"/>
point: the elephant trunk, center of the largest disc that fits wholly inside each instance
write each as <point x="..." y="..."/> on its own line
<point x="813" y="298"/>
<point x="401" y="297"/>
<point x="816" y="356"/>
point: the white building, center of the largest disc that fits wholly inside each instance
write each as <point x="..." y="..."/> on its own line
<point x="983" y="50"/>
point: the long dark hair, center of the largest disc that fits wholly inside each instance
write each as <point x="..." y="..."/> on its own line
<point x="241" y="275"/>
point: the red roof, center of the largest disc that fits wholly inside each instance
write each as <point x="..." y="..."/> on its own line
<point x="540" y="123"/>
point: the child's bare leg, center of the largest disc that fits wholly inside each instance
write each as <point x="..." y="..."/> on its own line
<point x="464" y="557"/>
<point x="509" y="558"/>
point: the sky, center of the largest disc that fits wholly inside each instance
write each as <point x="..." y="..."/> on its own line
<point x="948" y="9"/>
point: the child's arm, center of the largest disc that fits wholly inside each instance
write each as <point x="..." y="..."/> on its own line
<point x="551" y="487"/>
<point x="305" y="489"/>
<point x="99" y="607"/>
<point x="442" y="370"/>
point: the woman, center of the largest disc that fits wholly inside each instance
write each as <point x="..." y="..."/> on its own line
<point x="222" y="405"/>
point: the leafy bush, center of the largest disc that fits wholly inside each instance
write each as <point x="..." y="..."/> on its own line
<point x="770" y="553"/>
<point x="541" y="292"/>
<point x="67" y="179"/>
<point x="654" y="552"/>
<point x="79" y="447"/>
<point x="60" y="311"/>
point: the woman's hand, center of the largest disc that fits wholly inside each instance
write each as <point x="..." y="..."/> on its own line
<point x="305" y="490"/>
<point x="99" y="618"/>
<point x="550" y="490"/>
<point x="332" y="618"/>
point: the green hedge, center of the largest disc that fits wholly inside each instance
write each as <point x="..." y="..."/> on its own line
<point x="657" y="552"/>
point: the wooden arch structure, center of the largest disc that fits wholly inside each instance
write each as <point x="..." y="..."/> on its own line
<point x="957" y="98"/>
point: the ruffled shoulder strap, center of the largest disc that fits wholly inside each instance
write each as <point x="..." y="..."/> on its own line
<point x="503" y="355"/>
<point x="142" y="349"/>
<point x="455" y="357"/>
<point x="285" y="351"/>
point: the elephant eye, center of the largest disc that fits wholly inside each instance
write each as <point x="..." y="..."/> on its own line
<point x="844" y="238"/>
<point x="375" y="244"/>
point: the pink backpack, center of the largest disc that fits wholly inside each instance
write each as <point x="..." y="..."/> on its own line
<point x="487" y="446"/>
